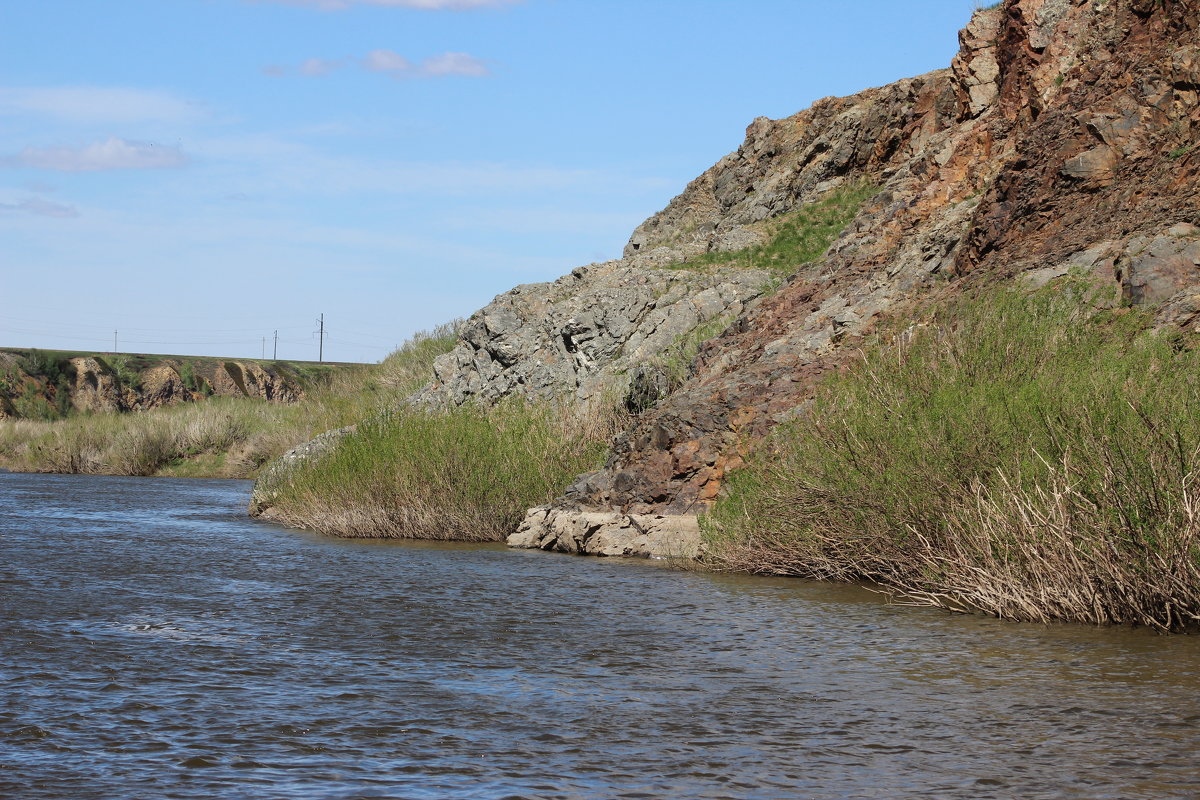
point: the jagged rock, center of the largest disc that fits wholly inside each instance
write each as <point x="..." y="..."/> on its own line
<point x="582" y="335"/>
<point x="162" y="386"/>
<point x="1154" y="268"/>
<point x="609" y="534"/>
<point x="249" y="379"/>
<point x="647" y="385"/>
<point x="94" y="387"/>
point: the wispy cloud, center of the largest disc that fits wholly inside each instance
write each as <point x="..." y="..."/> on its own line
<point x="390" y="62"/>
<point x="423" y="5"/>
<point x="97" y="104"/>
<point x="313" y="67"/>
<point x="111" y="154"/>
<point x="454" y="64"/>
<point x="386" y="61"/>
<point x="40" y="207"/>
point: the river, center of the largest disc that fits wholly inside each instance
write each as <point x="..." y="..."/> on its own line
<point x="157" y="643"/>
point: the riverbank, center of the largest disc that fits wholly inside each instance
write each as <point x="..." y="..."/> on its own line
<point x="221" y="436"/>
<point x="1033" y="455"/>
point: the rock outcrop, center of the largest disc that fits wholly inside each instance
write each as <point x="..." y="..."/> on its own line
<point x="1061" y="137"/>
<point x="609" y="534"/>
<point x="585" y="335"/>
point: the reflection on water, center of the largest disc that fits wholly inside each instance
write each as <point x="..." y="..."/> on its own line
<point x="154" y="642"/>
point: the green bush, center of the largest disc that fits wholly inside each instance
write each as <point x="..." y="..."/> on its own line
<point x="1022" y="454"/>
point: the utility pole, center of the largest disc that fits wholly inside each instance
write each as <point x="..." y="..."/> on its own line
<point x="275" y="350"/>
<point x="321" y="341"/>
<point x="114" y="341"/>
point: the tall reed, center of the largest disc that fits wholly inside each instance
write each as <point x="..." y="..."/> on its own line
<point x="466" y="473"/>
<point x="1021" y="454"/>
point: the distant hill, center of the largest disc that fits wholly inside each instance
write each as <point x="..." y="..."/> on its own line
<point x="51" y="384"/>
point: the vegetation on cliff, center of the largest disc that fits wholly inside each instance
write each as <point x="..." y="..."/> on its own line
<point x="796" y="238"/>
<point x="1029" y="455"/>
<point x="230" y="437"/>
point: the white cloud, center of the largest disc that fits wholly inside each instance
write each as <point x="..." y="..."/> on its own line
<point x="110" y="154"/>
<point x="97" y="104"/>
<point x="318" y="66"/>
<point x="40" y="207"/>
<point x="460" y="64"/>
<point x="387" y="61"/>
<point x="454" y="64"/>
<point x="423" y="5"/>
<point x="392" y="63"/>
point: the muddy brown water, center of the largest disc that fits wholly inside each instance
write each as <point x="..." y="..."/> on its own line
<point x="156" y="643"/>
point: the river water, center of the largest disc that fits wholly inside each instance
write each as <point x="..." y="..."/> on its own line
<point x="156" y="643"/>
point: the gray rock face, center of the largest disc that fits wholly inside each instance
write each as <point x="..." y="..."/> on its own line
<point x="584" y="335"/>
<point x="1154" y="268"/>
<point x="786" y="163"/>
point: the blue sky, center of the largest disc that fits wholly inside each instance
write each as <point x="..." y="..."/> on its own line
<point x="197" y="174"/>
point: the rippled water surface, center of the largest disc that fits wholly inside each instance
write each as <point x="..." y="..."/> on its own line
<point x="154" y="642"/>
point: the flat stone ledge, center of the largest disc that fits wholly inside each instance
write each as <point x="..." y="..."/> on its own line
<point x="606" y="533"/>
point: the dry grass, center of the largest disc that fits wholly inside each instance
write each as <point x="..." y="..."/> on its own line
<point x="244" y="432"/>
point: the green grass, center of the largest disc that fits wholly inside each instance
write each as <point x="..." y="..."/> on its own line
<point x="467" y="473"/>
<point x="796" y="238"/>
<point x="1180" y="152"/>
<point x="218" y="437"/>
<point x="676" y="361"/>
<point x="1022" y="454"/>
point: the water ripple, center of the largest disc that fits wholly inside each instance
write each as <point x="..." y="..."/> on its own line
<point x="156" y="643"/>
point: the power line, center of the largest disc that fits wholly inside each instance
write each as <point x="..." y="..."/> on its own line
<point x="321" y="342"/>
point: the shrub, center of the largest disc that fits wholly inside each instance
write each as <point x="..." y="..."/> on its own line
<point x="1020" y="454"/>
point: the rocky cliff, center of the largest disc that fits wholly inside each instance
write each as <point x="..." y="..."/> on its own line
<point x="1062" y="136"/>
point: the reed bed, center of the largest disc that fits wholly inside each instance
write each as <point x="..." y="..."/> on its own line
<point x="467" y="473"/>
<point x="1027" y="455"/>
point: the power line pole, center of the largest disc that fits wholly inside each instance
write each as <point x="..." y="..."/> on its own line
<point x="321" y="341"/>
<point x="275" y="350"/>
<point x="114" y="341"/>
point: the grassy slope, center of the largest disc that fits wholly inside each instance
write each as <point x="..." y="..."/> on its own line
<point x="221" y="437"/>
<point x="1023" y="454"/>
<point x="466" y="473"/>
<point x="796" y="238"/>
